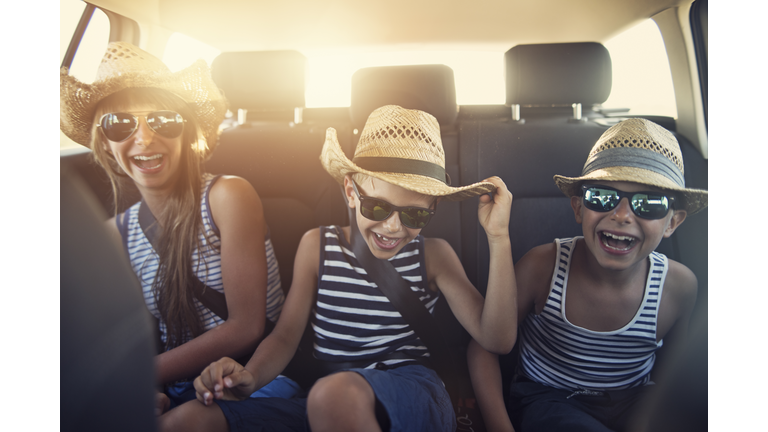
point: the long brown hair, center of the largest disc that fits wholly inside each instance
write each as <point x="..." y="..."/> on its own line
<point x="180" y="218"/>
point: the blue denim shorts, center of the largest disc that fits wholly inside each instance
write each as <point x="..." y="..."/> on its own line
<point x="413" y="398"/>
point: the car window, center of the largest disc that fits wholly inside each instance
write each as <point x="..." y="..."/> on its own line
<point x="89" y="52"/>
<point x="182" y="50"/>
<point x="642" y="80"/>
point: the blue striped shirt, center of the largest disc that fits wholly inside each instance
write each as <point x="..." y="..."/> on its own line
<point x="353" y="320"/>
<point x="145" y="261"/>
<point x="562" y="355"/>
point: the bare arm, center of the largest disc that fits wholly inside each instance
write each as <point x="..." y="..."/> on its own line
<point x="677" y="302"/>
<point x="237" y="210"/>
<point x="226" y="379"/>
<point x="492" y="321"/>
<point x="486" y="381"/>
<point x="534" y="272"/>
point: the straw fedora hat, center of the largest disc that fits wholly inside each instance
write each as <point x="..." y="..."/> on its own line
<point x="401" y="147"/>
<point x="640" y="151"/>
<point x="127" y="66"/>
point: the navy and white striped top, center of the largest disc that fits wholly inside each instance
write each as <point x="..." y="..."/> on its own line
<point x="145" y="261"/>
<point x="562" y="355"/>
<point x="353" y="320"/>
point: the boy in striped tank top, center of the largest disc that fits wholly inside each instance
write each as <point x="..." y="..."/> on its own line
<point x="585" y="358"/>
<point x="382" y="379"/>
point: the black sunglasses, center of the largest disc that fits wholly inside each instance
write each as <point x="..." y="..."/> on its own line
<point x="119" y="126"/>
<point x="377" y="209"/>
<point x="647" y="205"/>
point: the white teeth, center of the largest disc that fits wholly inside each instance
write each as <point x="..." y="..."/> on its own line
<point x="146" y="158"/>
<point x="385" y="239"/>
<point x="617" y="237"/>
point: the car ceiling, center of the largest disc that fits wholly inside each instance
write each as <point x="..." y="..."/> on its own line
<point x="242" y="25"/>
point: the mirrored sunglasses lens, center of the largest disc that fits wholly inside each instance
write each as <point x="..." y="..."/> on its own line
<point x="375" y="210"/>
<point x="169" y="124"/>
<point x="118" y="126"/>
<point x="650" y="206"/>
<point x="415" y="218"/>
<point x="600" y="200"/>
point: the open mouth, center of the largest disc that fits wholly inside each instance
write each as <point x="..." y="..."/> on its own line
<point x="617" y="242"/>
<point x="148" y="162"/>
<point x="384" y="242"/>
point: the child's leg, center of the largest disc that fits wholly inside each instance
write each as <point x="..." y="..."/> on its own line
<point x="536" y="407"/>
<point x="343" y="401"/>
<point x="406" y="398"/>
<point x="193" y="416"/>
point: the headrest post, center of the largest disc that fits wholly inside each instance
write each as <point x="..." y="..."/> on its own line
<point x="241" y="116"/>
<point x="298" y="115"/>
<point x="576" y="114"/>
<point x="516" y="114"/>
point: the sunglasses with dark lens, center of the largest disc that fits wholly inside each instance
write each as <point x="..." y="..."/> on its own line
<point x="119" y="126"/>
<point x="647" y="205"/>
<point x="378" y="210"/>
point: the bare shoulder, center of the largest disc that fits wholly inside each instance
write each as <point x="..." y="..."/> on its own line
<point x="539" y="261"/>
<point x="439" y="257"/>
<point x="533" y="273"/>
<point x="307" y="260"/>
<point x="232" y="187"/>
<point x="235" y="203"/>
<point x="681" y="283"/>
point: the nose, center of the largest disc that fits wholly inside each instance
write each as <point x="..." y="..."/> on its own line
<point x="393" y="223"/>
<point x="143" y="135"/>
<point x="623" y="212"/>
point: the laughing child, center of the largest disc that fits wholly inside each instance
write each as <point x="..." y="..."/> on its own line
<point x="586" y="360"/>
<point x="395" y="180"/>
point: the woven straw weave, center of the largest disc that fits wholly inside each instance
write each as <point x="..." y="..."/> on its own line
<point x="395" y="132"/>
<point x="644" y="134"/>
<point x="127" y="66"/>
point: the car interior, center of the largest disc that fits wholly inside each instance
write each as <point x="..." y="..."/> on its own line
<point x="557" y="75"/>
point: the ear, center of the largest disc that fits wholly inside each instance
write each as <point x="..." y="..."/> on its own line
<point x="349" y="192"/>
<point x="577" y="205"/>
<point x="677" y="218"/>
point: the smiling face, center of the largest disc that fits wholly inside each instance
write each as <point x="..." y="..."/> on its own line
<point x="385" y="238"/>
<point x="618" y="239"/>
<point x="152" y="161"/>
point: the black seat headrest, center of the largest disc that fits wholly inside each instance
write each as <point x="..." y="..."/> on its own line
<point x="429" y="88"/>
<point x="556" y="74"/>
<point x="261" y="80"/>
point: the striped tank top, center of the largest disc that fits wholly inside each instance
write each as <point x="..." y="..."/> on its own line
<point x="562" y="355"/>
<point x="353" y="320"/>
<point x="207" y="264"/>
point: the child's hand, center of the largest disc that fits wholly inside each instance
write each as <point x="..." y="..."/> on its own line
<point x="225" y="379"/>
<point x="162" y="403"/>
<point x="493" y="213"/>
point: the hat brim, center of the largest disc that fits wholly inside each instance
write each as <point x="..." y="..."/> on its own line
<point x="693" y="200"/>
<point x="339" y="165"/>
<point x="79" y="100"/>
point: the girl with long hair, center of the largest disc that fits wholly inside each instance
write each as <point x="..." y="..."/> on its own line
<point x="198" y="243"/>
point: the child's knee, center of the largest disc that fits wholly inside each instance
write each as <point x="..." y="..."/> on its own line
<point x="347" y="387"/>
<point x="193" y="416"/>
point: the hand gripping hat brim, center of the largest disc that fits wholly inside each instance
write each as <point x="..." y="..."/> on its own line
<point x="401" y="147"/>
<point x="127" y="66"/>
<point x="639" y="151"/>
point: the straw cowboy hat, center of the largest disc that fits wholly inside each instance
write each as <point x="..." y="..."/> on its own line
<point x="640" y="151"/>
<point x="401" y="147"/>
<point x="127" y="66"/>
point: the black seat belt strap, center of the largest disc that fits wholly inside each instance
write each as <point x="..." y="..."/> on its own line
<point x="407" y="302"/>
<point x="209" y="297"/>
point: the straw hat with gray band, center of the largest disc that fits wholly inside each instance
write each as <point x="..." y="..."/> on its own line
<point x="127" y="66"/>
<point x="639" y="151"/>
<point x="401" y="147"/>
